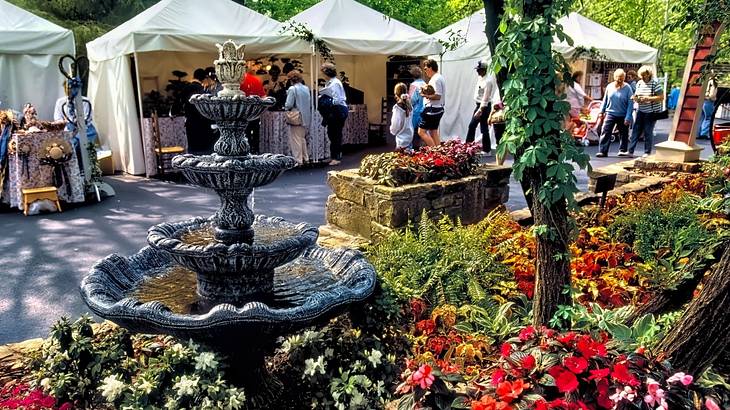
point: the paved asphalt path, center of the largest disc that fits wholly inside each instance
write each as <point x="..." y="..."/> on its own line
<point x="43" y="258"/>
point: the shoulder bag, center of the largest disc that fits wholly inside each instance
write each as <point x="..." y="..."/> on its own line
<point x="294" y="116"/>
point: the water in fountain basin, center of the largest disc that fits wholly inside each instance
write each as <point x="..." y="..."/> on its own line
<point x="175" y="287"/>
<point x="264" y="234"/>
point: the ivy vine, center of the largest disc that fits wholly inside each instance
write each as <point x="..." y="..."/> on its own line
<point x="534" y="96"/>
<point x="302" y="32"/>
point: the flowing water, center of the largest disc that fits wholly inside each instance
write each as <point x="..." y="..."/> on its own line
<point x="175" y="287"/>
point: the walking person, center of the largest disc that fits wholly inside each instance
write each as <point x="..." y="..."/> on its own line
<point x="617" y="109"/>
<point x="483" y="95"/>
<point x="577" y="97"/>
<point x="197" y="127"/>
<point x="401" y="126"/>
<point x="414" y="92"/>
<point x="299" y="116"/>
<point x="434" y="94"/>
<point x="708" y="108"/>
<point x="335" y="110"/>
<point x="649" y="96"/>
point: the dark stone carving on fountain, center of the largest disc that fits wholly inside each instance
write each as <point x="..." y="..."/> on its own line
<point x="233" y="281"/>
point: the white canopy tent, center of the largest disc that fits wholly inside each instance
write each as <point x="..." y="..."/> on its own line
<point x="458" y="66"/>
<point x="172" y="34"/>
<point x="362" y="39"/>
<point x="29" y="52"/>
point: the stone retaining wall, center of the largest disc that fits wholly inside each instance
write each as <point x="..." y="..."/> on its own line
<point x="359" y="206"/>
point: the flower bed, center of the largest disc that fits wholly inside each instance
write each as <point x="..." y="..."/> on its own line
<point x="450" y="160"/>
<point x="447" y="327"/>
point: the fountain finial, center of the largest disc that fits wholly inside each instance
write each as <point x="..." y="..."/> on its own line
<point x="230" y="68"/>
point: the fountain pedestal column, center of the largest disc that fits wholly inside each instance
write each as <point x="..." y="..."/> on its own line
<point x="234" y="218"/>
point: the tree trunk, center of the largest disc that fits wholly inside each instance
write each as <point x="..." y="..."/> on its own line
<point x="703" y="332"/>
<point x="669" y="300"/>
<point x="552" y="274"/>
<point x="493" y="10"/>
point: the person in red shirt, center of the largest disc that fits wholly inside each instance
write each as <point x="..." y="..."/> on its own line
<point x="252" y="85"/>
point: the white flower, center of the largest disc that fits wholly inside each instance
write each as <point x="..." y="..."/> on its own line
<point x="186" y="386"/>
<point x="145" y="386"/>
<point x="358" y="400"/>
<point x="312" y="367"/>
<point x="374" y="357"/>
<point x="329" y="352"/>
<point x="112" y="387"/>
<point x="206" y="361"/>
<point x="46" y="383"/>
<point x="178" y="350"/>
<point x="235" y="399"/>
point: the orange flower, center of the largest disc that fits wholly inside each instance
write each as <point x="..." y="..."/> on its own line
<point x="509" y="392"/>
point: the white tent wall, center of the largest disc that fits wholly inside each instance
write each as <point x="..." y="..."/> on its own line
<point x="116" y="118"/>
<point x="30" y="48"/>
<point x="30" y="78"/>
<point x="460" y="75"/>
<point x="367" y="74"/>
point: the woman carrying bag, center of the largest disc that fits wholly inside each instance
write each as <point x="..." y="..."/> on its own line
<point x="298" y="108"/>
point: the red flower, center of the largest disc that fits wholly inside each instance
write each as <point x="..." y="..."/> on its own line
<point x="622" y="375"/>
<point x="575" y="364"/>
<point x="565" y="380"/>
<point x="498" y="376"/>
<point x="566" y="339"/>
<point x="509" y="392"/>
<point x="527" y="333"/>
<point x="426" y="326"/>
<point x="599" y="374"/>
<point x="417" y="308"/>
<point x="505" y="349"/>
<point x="541" y="405"/>
<point x="589" y="348"/>
<point x="528" y="362"/>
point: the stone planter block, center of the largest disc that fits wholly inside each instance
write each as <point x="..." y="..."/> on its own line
<point x="360" y="207"/>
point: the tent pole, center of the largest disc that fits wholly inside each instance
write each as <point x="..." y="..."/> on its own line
<point x="139" y="103"/>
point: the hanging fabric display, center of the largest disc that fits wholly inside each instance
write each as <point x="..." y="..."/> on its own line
<point x="56" y="152"/>
<point x="23" y="150"/>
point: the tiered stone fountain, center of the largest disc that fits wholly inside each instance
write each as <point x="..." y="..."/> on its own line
<point x="234" y="281"/>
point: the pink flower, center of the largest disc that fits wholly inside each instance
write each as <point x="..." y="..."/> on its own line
<point x="505" y="349"/>
<point x="423" y="377"/>
<point x="685" y="379"/>
<point x="711" y="405"/>
<point x="527" y="333"/>
<point x="498" y="376"/>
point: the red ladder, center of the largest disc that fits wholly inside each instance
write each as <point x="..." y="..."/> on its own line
<point x="692" y="95"/>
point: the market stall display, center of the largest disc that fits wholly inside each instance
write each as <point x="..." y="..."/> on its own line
<point x="42" y="159"/>
<point x="137" y="56"/>
<point x="172" y="133"/>
<point x="275" y="133"/>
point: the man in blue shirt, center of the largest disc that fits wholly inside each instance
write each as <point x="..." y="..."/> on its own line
<point x="617" y="110"/>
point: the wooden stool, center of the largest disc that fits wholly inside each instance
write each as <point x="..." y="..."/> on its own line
<point x="34" y="194"/>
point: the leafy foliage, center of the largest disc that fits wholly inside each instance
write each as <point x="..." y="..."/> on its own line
<point x="535" y="100"/>
<point x="440" y="262"/>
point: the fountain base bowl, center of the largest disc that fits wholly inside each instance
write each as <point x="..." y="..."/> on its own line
<point x="310" y="289"/>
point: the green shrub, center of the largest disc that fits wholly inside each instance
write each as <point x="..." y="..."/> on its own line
<point x="442" y="263"/>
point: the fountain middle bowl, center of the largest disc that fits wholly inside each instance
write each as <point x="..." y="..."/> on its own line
<point x="190" y="243"/>
<point x="232" y="173"/>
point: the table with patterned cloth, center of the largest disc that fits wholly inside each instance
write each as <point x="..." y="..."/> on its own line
<point x="172" y="133"/>
<point x="275" y="133"/>
<point x="26" y="171"/>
